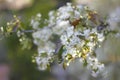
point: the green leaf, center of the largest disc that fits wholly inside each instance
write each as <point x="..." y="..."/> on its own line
<point x="64" y="65"/>
<point x="85" y="62"/>
<point x="60" y="54"/>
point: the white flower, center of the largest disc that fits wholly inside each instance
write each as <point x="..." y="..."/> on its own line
<point x="65" y="12"/>
<point x="86" y="33"/>
<point x="64" y="39"/>
<point x="101" y="37"/>
<point x="35" y="22"/>
<point x="44" y="59"/>
<point x="70" y="31"/>
<point x="76" y="14"/>
<point x="66" y="35"/>
<point x="42" y="34"/>
<point x="39" y="15"/>
<point x="91" y="45"/>
<point x="95" y="65"/>
<point x="60" y="27"/>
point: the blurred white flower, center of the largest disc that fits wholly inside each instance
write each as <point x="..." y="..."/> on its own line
<point x="35" y="22"/>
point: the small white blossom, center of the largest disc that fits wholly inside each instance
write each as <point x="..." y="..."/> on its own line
<point x="60" y="27"/>
<point x="95" y="65"/>
<point x="101" y="37"/>
<point x="43" y="59"/>
<point x="35" y="22"/>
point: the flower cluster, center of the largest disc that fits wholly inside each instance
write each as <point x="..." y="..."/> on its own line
<point x="71" y="32"/>
<point x="82" y="44"/>
<point x="45" y="45"/>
